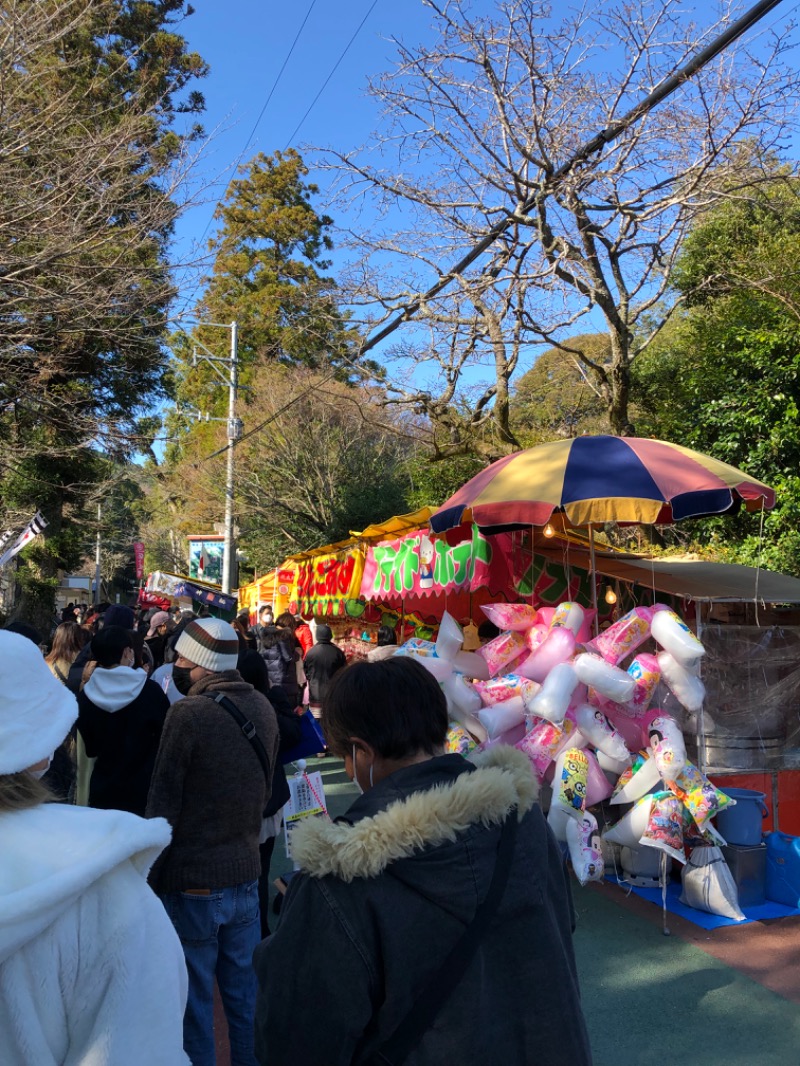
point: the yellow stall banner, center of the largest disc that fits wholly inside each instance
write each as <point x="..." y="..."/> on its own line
<point x="324" y="582"/>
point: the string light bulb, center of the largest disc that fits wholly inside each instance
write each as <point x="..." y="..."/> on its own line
<point x="611" y="596"/>
<point x="548" y="531"/>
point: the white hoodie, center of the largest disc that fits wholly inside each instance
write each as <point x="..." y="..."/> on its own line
<point x="91" y="970"/>
<point x="115" y="687"/>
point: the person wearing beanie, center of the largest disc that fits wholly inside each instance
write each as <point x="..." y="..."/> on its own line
<point x="90" y="966"/>
<point x="320" y="664"/>
<point x="210" y="785"/>
<point x="120" y="717"/>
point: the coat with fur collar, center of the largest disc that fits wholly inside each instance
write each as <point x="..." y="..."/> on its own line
<point x="384" y="895"/>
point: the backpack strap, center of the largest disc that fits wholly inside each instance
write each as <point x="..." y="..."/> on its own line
<point x="246" y="727"/>
<point x="396" y="1049"/>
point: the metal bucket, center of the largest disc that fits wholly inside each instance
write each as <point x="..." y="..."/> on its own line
<point x="730" y="751"/>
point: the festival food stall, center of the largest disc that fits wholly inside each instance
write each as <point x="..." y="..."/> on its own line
<point x="611" y="717"/>
<point x="163" y="589"/>
<point x="590" y="481"/>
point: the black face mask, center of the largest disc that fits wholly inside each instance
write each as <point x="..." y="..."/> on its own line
<point x="182" y="679"/>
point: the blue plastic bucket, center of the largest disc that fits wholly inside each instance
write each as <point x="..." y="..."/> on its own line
<point x="741" y="824"/>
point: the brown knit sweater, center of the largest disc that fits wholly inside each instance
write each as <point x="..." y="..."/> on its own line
<point x="209" y="785"/>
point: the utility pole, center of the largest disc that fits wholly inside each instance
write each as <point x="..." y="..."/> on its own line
<point x="97" y="567"/>
<point x="234" y="433"/>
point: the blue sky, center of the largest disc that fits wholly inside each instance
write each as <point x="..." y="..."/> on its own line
<point x="246" y="42"/>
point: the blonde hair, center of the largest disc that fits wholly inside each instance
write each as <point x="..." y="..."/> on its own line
<point x="22" y="790"/>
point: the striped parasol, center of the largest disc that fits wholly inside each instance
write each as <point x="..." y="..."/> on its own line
<point x="596" y="479"/>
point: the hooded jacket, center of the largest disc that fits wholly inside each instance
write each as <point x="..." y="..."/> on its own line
<point x="91" y="969"/>
<point x="385" y="894"/>
<point x="120" y="717"/>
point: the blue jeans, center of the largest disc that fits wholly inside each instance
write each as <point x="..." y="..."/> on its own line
<point x="219" y="933"/>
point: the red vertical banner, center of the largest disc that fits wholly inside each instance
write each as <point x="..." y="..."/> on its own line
<point x="138" y="554"/>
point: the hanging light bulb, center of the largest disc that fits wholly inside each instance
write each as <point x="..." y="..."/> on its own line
<point x="548" y="531"/>
<point x="611" y="596"/>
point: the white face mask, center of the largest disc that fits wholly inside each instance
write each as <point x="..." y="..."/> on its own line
<point x="355" y="774"/>
<point x="38" y="774"/>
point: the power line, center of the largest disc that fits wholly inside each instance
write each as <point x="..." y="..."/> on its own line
<point x="262" y="111"/>
<point x="589" y="148"/>
<point x="333" y="71"/>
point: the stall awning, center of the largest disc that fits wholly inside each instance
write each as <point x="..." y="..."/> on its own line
<point x="395" y="527"/>
<point x="693" y="579"/>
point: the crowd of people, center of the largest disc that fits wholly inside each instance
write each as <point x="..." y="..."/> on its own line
<point x="141" y="791"/>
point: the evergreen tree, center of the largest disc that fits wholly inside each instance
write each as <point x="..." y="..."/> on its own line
<point x="269" y="274"/>
<point x="91" y="163"/>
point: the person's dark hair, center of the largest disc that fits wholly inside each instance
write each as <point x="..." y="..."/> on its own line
<point x="395" y="705"/>
<point x="286" y="621"/>
<point x="25" y="630"/>
<point x="109" y="644"/>
<point x="144" y="656"/>
<point x="68" y="640"/>
<point x="386" y="636"/>
<point x="270" y="636"/>
<point x="488" y="631"/>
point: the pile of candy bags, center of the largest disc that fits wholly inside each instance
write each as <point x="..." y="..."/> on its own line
<point x="580" y="713"/>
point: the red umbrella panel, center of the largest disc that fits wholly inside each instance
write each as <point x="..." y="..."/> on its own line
<point x="591" y="480"/>
<point x="598" y="479"/>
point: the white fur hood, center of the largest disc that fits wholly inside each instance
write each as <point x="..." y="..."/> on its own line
<point x="502" y="780"/>
<point x="114" y="688"/>
<point x="54" y="852"/>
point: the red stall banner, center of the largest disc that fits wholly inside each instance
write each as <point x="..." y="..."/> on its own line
<point x="138" y="554"/>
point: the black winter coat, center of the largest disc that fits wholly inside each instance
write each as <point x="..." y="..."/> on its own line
<point x="383" y="896"/>
<point x="281" y="662"/>
<point x="321" y="663"/>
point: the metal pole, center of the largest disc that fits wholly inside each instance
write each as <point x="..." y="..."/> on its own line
<point x="229" y="550"/>
<point x="702" y="760"/>
<point x="97" y="557"/>
<point x="594" y="581"/>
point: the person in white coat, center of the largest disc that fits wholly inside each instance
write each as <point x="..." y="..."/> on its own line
<point x="91" y="969"/>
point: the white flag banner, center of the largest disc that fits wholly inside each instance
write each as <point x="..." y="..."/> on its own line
<point x="33" y="529"/>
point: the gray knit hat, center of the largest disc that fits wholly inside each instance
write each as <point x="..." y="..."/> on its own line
<point x="209" y="642"/>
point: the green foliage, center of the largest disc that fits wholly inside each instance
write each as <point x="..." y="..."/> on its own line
<point x="269" y="272"/>
<point x="327" y="466"/>
<point x="724" y="377"/>
<point x="554" y="399"/>
<point x="90" y="164"/>
<point x="434" y="481"/>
